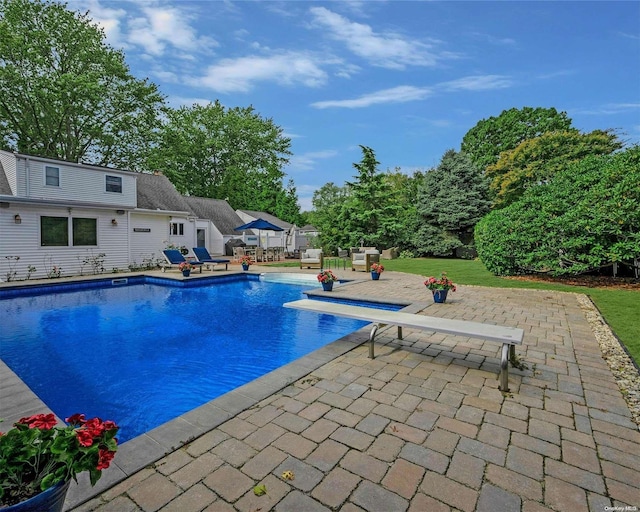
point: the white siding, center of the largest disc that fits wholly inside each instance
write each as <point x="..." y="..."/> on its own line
<point x="77" y="183"/>
<point x="145" y="245"/>
<point x="23" y="240"/>
<point x="8" y="161"/>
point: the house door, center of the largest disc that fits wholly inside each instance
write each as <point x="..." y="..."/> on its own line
<point x="200" y="238"/>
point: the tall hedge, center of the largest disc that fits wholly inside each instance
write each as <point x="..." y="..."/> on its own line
<point x="587" y="217"/>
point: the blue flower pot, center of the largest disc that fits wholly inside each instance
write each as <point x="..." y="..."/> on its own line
<point x="375" y="275"/>
<point x="186" y="273"/>
<point x="245" y="267"/>
<point x="439" y="296"/>
<point x="328" y="286"/>
<point x="51" y="500"/>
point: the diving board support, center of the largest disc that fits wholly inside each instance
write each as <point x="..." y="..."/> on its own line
<point x="508" y="336"/>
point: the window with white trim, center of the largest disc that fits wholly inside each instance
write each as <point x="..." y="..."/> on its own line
<point x="176" y="228"/>
<point x="51" y="176"/>
<point x="114" y="184"/>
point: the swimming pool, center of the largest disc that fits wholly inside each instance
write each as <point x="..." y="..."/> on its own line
<point x="145" y="352"/>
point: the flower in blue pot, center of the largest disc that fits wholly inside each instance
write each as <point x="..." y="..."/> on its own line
<point x="327" y="278"/>
<point x="440" y="287"/>
<point x="376" y="270"/>
<point x="38" y="459"/>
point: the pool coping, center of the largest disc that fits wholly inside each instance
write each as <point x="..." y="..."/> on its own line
<point x="147" y="448"/>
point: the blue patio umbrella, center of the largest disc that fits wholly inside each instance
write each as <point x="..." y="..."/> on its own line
<point x="259" y="224"/>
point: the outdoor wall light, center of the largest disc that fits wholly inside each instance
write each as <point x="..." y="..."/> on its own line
<point x="114" y="222"/>
<point x="17" y="219"/>
<point x="120" y="212"/>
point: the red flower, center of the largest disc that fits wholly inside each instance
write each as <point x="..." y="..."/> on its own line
<point x="76" y="420"/>
<point x="41" y="421"/>
<point x="104" y="458"/>
<point x="85" y="438"/>
<point x="109" y="425"/>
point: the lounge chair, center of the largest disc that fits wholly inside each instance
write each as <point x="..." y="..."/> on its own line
<point x="204" y="257"/>
<point x="175" y="257"/>
<point x="312" y="258"/>
<point x="363" y="260"/>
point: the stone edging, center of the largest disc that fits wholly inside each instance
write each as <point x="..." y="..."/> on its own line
<point x="624" y="371"/>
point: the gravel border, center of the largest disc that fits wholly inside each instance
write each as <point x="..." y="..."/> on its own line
<point x="625" y="372"/>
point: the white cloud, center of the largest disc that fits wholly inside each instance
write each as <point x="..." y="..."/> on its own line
<point x="107" y="18"/>
<point x="608" y="109"/>
<point x="400" y="94"/>
<point x="477" y="83"/>
<point x="308" y="161"/>
<point x="159" y="27"/>
<point x="239" y="75"/>
<point x="389" y="50"/>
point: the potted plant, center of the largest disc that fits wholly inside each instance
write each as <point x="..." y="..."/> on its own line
<point x="185" y="267"/>
<point x="38" y="459"/>
<point x="376" y="270"/>
<point x="440" y="287"/>
<point x="326" y="278"/>
<point x="246" y="261"/>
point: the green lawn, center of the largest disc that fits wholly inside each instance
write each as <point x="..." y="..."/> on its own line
<point x="620" y="308"/>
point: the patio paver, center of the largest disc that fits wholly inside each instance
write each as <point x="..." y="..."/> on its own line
<point x="421" y="427"/>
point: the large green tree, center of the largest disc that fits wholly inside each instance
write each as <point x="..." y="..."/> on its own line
<point x="490" y="137"/>
<point x="452" y="198"/>
<point x="585" y="218"/>
<point x="535" y="161"/>
<point x="327" y="216"/>
<point x="224" y="153"/>
<point x="370" y="212"/>
<point x="65" y="93"/>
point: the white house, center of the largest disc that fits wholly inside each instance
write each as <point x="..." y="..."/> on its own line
<point x="62" y="218"/>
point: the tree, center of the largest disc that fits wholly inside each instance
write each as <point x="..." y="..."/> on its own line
<point x="490" y="137"/>
<point x="451" y="199"/>
<point x="536" y="160"/>
<point x="287" y="207"/>
<point x="225" y="153"/>
<point x="585" y="218"/>
<point x="65" y="94"/>
<point x="327" y="216"/>
<point x="370" y="213"/>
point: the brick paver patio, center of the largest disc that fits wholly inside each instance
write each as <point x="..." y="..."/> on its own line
<point x="422" y="427"/>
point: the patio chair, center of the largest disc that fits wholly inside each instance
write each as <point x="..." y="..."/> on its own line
<point x="175" y="257"/>
<point x="260" y="256"/>
<point x="312" y="258"/>
<point x="363" y="260"/>
<point x="204" y="257"/>
<point x="238" y="253"/>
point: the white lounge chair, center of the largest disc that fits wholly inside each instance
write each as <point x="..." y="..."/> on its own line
<point x="312" y="258"/>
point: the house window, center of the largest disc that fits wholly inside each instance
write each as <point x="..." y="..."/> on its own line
<point x="114" y="184"/>
<point x="51" y="176"/>
<point x="85" y="231"/>
<point x="54" y="231"/>
<point x="176" y="228"/>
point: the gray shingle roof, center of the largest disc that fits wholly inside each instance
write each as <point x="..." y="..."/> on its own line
<point x="217" y="211"/>
<point x="156" y="192"/>
<point x="268" y="217"/>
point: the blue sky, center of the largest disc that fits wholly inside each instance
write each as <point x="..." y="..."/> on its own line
<point x="407" y="79"/>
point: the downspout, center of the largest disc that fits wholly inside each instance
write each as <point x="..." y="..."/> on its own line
<point x="27" y="177"/>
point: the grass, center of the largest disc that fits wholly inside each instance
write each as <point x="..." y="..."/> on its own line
<point x="619" y="307"/>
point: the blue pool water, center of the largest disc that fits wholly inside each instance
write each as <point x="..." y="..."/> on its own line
<point x="143" y="354"/>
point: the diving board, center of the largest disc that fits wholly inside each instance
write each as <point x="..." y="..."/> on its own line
<point x="508" y="336"/>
